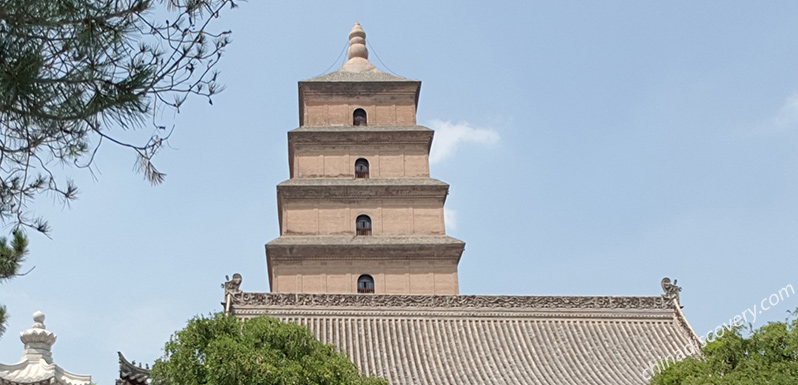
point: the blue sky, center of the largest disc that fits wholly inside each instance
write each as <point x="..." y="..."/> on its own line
<point x="592" y="149"/>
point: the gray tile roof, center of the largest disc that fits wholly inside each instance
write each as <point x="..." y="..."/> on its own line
<point x="552" y="340"/>
<point x="130" y="374"/>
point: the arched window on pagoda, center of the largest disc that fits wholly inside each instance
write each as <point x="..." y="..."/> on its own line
<point x="362" y="168"/>
<point x="365" y="284"/>
<point x="363" y="225"/>
<point x="359" y="117"/>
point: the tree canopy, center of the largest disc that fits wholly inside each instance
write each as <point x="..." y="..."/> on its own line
<point x="77" y="73"/>
<point x="11" y="256"/>
<point x="224" y="350"/>
<point x="766" y="356"/>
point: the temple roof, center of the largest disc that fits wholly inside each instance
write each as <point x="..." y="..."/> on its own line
<point x="36" y="364"/>
<point x="462" y="339"/>
<point x="358" y="68"/>
<point x="130" y="374"/>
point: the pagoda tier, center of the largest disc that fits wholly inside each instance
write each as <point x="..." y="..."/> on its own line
<point x="330" y="152"/>
<point x="333" y="263"/>
<point x="331" y="206"/>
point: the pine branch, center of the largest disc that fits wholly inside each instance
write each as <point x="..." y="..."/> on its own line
<point x="75" y="72"/>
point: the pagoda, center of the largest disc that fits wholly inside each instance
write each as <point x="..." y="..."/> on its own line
<point x="360" y="213"/>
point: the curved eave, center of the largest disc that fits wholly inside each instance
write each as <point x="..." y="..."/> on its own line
<point x="40" y="372"/>
<point x="130" y="373"/>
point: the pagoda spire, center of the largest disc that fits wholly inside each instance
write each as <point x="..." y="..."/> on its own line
<point x="357" y="43"/>
<point x="357" y="54"/>
<point x="38" y="340"/>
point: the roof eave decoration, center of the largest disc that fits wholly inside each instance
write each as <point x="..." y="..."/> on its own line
<point x="454" y="301"/>
<point x="129" y="373"/>
<point x="671" y="294"/>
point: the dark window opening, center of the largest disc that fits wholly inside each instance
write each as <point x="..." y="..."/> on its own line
<point x="363" y="225"/>
<point x="361" y="168"/>
<point x="359" y="117"/>
<point x="365" y="284"/>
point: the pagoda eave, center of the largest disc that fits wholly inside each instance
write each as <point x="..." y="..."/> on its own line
<point x="358" y="189"/>
<point x="299" y="247"/>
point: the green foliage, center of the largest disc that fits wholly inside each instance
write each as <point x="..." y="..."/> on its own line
<point x="77" y="73"/>
<point x="11" y="257"/>
<point x="223" y="350"/>
<point x="767" y="356"/>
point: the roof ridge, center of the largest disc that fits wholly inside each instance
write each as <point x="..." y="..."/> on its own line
<point x="688" y="329"/>
<point x="454" y="301"/>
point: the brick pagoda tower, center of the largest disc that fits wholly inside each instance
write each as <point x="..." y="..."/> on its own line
<point x="360" y="213"/>
<point x="363" y="261"/>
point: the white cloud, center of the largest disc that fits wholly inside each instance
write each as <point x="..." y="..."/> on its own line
<point x="788" y="114"/>
<point x="450" y="219"/>
<point x="449" y="136"/>
<point x="782" y="122"/>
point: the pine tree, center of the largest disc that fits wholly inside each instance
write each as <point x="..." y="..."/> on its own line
<point x="76" y="73"/>
<point x="11" y="256"/>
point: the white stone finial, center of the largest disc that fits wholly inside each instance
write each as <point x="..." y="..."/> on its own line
<point x="38" y="319"/>
<point x="357" y="43"/>
<point x="36" y="364"/>
<point x="37" y="339"/>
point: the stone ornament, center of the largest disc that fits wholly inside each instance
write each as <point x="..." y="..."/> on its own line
<point x="36" y="365"/>
<point x="670" y="289"/>
<point x="232" y="285"/>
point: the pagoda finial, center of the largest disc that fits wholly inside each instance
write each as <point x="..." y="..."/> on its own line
<point x="357" y="43"/>
<point x="357" y="54"/>
<point x="36" y="364"/>
<point x="37" y="339"/>
<point x="38" y="320"/>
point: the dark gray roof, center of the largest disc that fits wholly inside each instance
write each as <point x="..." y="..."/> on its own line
<point x="130" y="374"/>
